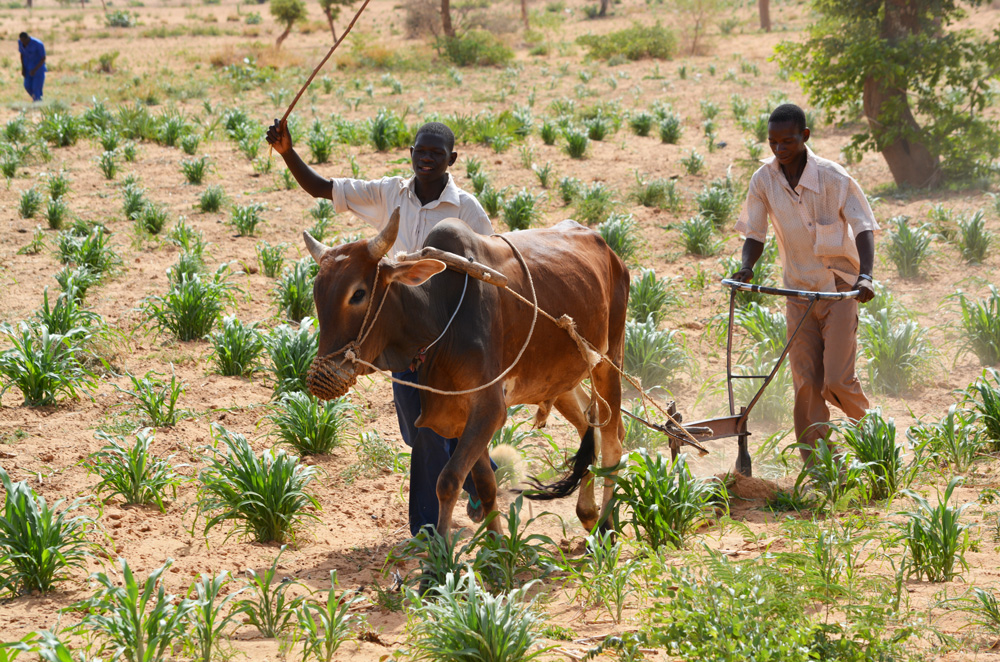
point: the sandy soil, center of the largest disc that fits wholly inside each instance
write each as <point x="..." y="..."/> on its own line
<point x="361" y="523"/>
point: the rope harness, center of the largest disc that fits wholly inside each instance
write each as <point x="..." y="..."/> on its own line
<point x="351" y="350"/>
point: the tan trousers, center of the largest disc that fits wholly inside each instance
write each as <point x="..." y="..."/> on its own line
<point x="822" y="359"/>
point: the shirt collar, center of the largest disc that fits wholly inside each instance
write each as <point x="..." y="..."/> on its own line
<point x="810" y="174"/>
<point x="448" y="195"/>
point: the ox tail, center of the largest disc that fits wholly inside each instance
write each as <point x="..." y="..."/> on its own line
<point x="567" y="484"/>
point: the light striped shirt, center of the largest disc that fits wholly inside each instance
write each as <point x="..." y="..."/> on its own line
<point x="816" y="224"/>
<point x="374" y="201"/>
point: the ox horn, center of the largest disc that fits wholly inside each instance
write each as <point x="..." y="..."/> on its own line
<point x="380" y="245"/>
<point x="315" y="247"/>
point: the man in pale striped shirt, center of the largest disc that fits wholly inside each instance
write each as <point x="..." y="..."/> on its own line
<point x="825" y="232"/>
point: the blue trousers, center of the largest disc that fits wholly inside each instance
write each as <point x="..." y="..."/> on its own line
<point x="430" y="453"/>
<point x="33" y="85"/>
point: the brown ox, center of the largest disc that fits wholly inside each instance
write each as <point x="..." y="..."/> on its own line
<point x="385" y="312"/>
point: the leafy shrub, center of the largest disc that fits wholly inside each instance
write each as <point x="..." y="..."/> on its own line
<point x="120" y="18"/>
<point x="658" y="194"/>
<point x="189" y="143"/>
<point x="577" y="143"/>
<point x="670" y="129"/>
<point x="152" y="219"/>
<point x="594" y="203"/>
<point x="652" y="355"/>
<point x="872" y="440"/>
<point x="292" y="352"/>
<point x="665" y="501"/>
<point x="29" y="203"/>
<point x="460" y="621"/>
<point x="697" y="236"/>
<point x="265" y="496"/>
<point x="767" y="605"/>
<point x="717" y="202"/>
<point x="694" y="163"/>
<point x="981" y="323"/>
<point x="194" y="169"/>
<point x="641" y="123"/>
<point x="271" y="258"/>
<point x="132" y="471"/>
<point x="953" y="441"/>
<point x="974" y="239"/>
<point x="133" y="200"/>
<point x="43" y="365"/>
<point x="984" y="396"/>
<point x="935" y="536"/>
<point x="909" y="247"/>
<point x="55" y="212"/>
<point x="59" y="128"/>
<point x="475" y="48"/>
<point x="387" y="131"/>
<point x="896" y="351"/>
<point x="246" y="218"/>
<point x="66" y="315"/>
<point x="293" y="292"/>
<point x="519" y="211"/>
<point x="634" y="43"/>
<point x="141" y="620"/>
<point x="190" y="307"/>
<point x="156" y="399"/>
<point x="649" y="296"/>
<point x="270" y="609"/>
<point x="309" y="426"/>
<point x="492" y="200"/>
<point x="324" y="627"/>
<point x="621" y="232"/>
<point x="208" y="625"/>
<point x="211" y="199"/>
<point x="236" y="348"/>
<point x="38" y="545"/>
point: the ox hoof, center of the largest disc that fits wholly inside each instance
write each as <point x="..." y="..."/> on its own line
<point x="475" y="511"/>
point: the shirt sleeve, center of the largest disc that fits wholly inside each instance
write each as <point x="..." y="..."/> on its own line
<point x="753" y="217"/>
<point x="856" y="210"/>
<point x="475" y="216"/>
<point x="366" y="199"/>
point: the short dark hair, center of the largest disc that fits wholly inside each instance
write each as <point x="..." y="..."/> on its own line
<point x="23" y="35"/>
<point x="440" y="130"/>
<point x="788" y="112"/>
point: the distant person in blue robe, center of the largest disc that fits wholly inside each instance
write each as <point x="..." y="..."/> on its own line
<point x="32" y="64"/>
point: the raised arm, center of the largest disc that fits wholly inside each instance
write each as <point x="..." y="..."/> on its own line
<point x="311" y="181"/>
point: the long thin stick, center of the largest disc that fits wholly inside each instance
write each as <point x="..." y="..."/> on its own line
<point x="320" y="65"/>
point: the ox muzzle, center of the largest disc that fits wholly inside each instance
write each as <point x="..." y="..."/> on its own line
<point x="331" y="376"/>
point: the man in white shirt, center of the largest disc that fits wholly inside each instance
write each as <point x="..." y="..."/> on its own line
<point x="424" y="200"/>
<point x="825" y="231"/>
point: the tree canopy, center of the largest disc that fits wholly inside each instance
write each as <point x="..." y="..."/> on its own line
<point x="921" y="84"/>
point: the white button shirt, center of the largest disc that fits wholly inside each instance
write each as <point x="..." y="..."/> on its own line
<point x="374" y="201"/>
<point x="816" y="224"/>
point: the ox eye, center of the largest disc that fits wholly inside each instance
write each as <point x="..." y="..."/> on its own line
<point x="357" y="296"/>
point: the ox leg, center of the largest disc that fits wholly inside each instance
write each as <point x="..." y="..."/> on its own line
<point x="573" y="406"/>
<point x="486" y="485"/>
<point x="608" y="385"/>
<point x="473" y="448"/>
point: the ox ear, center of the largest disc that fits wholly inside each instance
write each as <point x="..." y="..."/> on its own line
<point x="415" y="273"/>
<point x="315" y="247"/>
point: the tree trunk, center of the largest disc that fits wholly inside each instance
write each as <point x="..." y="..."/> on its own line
<point x="524" y="14"/>
<point x="449" y="29"/>
<point x="282" y="36"/>
<point x="910" y="162"/>
<point x="604" y="8"/>
<point x="764" y="8"/>
<point x="329" y="19"/>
